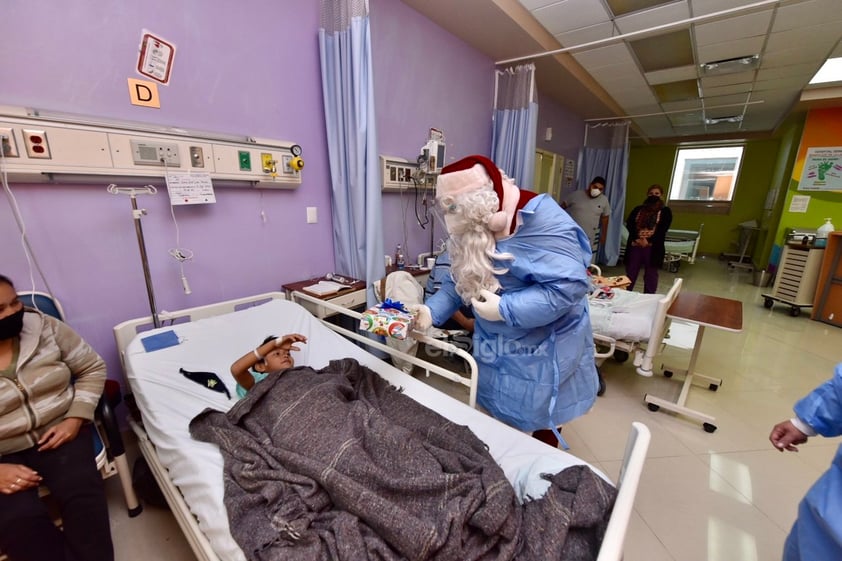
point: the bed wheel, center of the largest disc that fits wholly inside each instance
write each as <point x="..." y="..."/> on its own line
<point x="621" y="356"/>
<point x="668" y="373"/>
<point x="709" y="427"/>
<point x="768" y="303"/>
<point x="653" y="407"/>
<point x="795" y="311"/>
<point x="674" y="266"/>
<point x="713" y="387"/>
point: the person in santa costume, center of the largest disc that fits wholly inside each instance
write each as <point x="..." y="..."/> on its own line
<point x="521" y="262"/>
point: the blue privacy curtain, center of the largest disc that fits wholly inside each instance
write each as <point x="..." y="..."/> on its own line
<point x="348" y="91"/>
<point x="515" y="123"/>
<point x="606" y="153"/>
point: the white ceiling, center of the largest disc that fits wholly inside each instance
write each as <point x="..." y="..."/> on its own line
<point x="610" y="78"/>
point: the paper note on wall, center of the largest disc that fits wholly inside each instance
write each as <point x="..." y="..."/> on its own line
<point x="799" y="203"/>
<point x="190" y="188"/>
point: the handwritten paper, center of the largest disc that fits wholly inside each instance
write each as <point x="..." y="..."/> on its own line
<point x="190" y="188"/>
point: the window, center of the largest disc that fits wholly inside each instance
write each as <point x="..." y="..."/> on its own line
<point x="706" y="177"/>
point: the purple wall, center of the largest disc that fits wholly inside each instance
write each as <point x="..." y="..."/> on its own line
<point x="251" y="70"/>
<point x="425" y="77"/>
<point x="568" y="129"/>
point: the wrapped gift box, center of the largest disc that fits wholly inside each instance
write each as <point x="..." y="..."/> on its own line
<point x="390" y="319"/>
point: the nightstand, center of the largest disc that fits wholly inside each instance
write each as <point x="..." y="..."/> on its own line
<point x="352" y="296"/>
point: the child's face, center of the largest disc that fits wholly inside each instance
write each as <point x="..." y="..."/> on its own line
<point x="278" y="359"/>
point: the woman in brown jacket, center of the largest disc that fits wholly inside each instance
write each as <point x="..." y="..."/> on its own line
<point x="50" y="383"/>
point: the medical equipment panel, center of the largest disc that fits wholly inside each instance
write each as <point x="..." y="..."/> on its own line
<point x="46" y="148"/>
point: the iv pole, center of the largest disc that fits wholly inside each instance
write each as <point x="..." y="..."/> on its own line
<point x="137" y="214"/>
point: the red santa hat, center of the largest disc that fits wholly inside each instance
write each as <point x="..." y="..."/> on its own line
<point x="478" y="173"/>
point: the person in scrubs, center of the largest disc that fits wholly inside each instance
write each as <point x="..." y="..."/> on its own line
<point x="817" y="532"/>
<point x="521" y="262"/>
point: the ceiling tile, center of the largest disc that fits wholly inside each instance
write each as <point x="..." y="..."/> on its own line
<point x="691" y="118"/>
<point x="619" y="73"/>
<point x="534" y="4"/>
<point x="586" y="34"/>
<point x="729" y="100"/>
<point x="684" y="105"/>
<point x="779" y="84"/>
<point x="622" y="7"/>
<point x="705" y="7"/>
<point x="676" y="91"/>
<point x="672" y="74"/>
<point x="827" y="34"/>
<point x="733" y="28"/>
<point x="727" y="89"/>
<point x="727" y="79"/>
<point x="664" y="51"/>
<point x="807" y="70"/>
<point x="571" y="14"/>
<point x="805" y="14"/>
<point x="669" y="13"/>
<point x="605" y="56"/>
<point x="795" y="55"/>
<point x="730" y="49"/>
<point x="636" y="101"/>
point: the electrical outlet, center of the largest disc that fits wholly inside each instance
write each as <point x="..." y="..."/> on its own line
<point x="312" y="215"/>
<point x="36" y="144"/>
<point x="10" y="147"/>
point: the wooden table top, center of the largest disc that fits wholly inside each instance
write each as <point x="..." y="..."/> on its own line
<point x="711" y="311"/>
<point x="299" y="285"/>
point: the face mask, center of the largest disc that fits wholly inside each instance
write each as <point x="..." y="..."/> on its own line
<point x="652" y="199"/>
<point x="595" y="193"/>
<point x="11" y="326"/>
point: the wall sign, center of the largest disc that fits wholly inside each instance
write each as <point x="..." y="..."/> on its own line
<point x="193" y="188"/>
<point x="156" y="57"/>
<point x="144" y="93"/>
<point x="822" y="170"/>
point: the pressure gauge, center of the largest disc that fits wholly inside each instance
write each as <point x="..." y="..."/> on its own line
<point x="295" y="149"/>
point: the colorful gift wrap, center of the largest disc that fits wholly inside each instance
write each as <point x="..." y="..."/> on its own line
<point x="390" y="319"/>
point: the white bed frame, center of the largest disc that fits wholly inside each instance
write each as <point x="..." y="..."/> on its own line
<point x="643" y="357"/>
<point x="627" y="483"/>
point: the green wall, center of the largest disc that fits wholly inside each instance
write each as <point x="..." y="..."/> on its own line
<point x="823" y="127"/>
<point x="654" y="164"/>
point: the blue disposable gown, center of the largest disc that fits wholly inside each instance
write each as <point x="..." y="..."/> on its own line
<point x="536" y="367"/>
<point x="817" y="532"/>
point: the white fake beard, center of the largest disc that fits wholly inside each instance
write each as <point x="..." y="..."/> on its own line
<point x="471" y="266"/>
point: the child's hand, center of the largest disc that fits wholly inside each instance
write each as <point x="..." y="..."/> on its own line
<point x="288" y="341"/>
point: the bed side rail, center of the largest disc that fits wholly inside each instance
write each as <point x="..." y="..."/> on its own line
<point x="429" y="367"/>
<point x="637" y="446"/>
<point x="659" y="328"/>
<point x="126" y="331"/>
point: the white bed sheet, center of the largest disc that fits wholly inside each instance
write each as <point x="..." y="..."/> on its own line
<point x="169" y="401"/>
<point x="628" y="316"/>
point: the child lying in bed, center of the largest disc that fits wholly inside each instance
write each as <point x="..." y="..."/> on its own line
<point x="272" y="355"/>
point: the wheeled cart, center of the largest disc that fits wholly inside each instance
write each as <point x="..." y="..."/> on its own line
<point x="798" y="274"/>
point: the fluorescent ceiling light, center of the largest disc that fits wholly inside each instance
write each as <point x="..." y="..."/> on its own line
<point x="831" y="71"/>
<point x="727" y="66"/>
<point x="718" y="120"/>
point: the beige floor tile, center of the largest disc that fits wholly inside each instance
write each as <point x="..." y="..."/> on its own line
<point x="699" y="515"/>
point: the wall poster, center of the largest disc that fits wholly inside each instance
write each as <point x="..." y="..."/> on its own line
<point x="822" y="169"/>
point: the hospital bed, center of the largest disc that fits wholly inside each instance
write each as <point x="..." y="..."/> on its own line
<point x="190" y="473"/>
<point x="631" y="323"/>
<point x="680" y="245"/>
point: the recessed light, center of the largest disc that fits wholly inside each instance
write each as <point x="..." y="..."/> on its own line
<point x="739" y="64"/>
<point x="719" y="120"/>
<point x="831" y="71"/>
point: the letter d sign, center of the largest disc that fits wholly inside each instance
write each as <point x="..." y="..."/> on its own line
<point x="144" y="93"/>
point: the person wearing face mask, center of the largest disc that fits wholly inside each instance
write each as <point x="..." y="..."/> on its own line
<point x="591" y="210"/>
<point x="50" y="383"/>
<point x="647" y="224"/>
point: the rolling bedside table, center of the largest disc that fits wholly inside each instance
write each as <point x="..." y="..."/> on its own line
<point x="352" y="296"/>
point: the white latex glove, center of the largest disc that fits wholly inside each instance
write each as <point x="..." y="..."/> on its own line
<point x="423" y="317"/>
<point x="489" y="307"/>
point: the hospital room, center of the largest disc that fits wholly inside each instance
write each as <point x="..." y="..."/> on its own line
<point x="183" y="179"/>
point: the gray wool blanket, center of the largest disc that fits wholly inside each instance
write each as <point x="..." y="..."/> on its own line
<point x="338" y="464"/>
